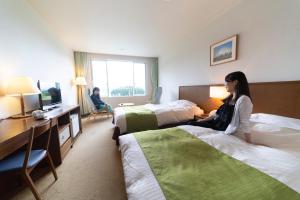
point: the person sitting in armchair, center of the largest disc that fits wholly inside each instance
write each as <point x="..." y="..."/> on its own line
<point x="99" y="104"/>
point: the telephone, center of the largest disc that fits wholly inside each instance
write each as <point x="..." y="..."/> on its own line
<point x="38" y="114"/>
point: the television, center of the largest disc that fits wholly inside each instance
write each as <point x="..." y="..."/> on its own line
<point x="50" y="94"/>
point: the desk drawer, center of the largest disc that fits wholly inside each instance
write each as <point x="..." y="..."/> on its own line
<point x="64" y="135"/>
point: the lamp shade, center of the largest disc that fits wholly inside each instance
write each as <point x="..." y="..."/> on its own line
<point x="80" y="80"/>
<point x="21" y="85"/>
<point x="219" y="92"/>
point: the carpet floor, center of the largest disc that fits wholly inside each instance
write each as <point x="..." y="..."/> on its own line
<point x="92" y="170"/>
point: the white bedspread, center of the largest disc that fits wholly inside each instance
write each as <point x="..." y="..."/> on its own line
<point x="281" y="164"/>
<point x="170" y="113"/>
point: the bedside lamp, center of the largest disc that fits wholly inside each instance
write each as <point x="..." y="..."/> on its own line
<point x="21" y="86"/>
<point x="218" y="92"/>
<point x="80" y="82"/>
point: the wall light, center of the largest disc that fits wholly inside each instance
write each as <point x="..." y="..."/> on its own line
<point x="218" y="92"/>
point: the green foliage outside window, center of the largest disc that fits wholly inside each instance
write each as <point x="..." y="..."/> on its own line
<point x="127" y="91"/>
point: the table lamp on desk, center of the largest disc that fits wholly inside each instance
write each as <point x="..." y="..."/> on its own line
<point x="21" y="86"/>
<point x="80" y="82"/>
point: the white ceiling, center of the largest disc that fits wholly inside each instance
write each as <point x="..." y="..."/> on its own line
<point x="129" y="27"/>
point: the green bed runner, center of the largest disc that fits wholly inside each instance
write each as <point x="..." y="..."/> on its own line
<point x="188" y="168"/>
<point x="138" y="118"/>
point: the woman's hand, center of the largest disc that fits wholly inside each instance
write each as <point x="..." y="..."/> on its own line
<point x="248" y="137"/>
<point x="201" y="120"/>
<point x="206" y="119"/>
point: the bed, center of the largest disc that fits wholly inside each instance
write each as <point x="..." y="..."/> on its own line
<point x="153" y="116"/>
<point x="157" y="164"/>
<point x="281" y="162"/>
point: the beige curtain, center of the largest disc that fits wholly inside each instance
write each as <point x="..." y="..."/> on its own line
<point x="83" y="68"/>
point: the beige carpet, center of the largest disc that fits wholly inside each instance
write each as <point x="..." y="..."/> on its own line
<point x="92" y="170"/>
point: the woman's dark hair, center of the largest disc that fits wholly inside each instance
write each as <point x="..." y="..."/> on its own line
<point x="241" y="88"/>
<point x="95" y="89"/>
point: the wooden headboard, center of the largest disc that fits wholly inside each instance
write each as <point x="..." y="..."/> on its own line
<point x="280" y="98"/>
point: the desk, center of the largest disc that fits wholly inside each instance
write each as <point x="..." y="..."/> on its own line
<point x="14" y="132"/>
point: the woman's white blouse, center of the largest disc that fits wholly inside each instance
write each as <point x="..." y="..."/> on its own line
<point x="241" y="116"/>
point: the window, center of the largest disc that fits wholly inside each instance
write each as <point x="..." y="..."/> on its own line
<point x="119" y="78"/>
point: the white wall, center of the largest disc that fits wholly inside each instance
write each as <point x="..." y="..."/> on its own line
<point x="137" y="100"/>
<point x="28" y="48"/>
<point x="269" y="47"/>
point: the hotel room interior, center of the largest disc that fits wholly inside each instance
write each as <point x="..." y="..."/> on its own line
<point x="160" y="66"/>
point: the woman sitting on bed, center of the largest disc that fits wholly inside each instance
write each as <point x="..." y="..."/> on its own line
<point x="99" y="104"/>
<point x="233" y="116"/>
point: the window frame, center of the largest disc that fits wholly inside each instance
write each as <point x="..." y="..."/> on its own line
<point x="107" y="82"/>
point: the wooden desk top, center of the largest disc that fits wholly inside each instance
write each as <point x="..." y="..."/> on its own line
<point x="9" y="128"/>
<point x="17" y="129"/>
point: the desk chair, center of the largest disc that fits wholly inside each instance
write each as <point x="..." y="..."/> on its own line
<point x="25" y="161"/>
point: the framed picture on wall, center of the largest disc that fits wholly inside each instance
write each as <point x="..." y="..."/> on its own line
<point x="224" y="51"/>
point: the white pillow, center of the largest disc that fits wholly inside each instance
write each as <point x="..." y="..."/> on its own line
<point x="183" y="102"/>
<point x="276" y="120"/>
<point x="275" y="136"/>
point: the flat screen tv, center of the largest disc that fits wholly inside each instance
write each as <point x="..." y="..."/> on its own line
<point x="50" y="94"/>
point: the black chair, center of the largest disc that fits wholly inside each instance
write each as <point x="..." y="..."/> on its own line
<point x="25" y="161"/>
